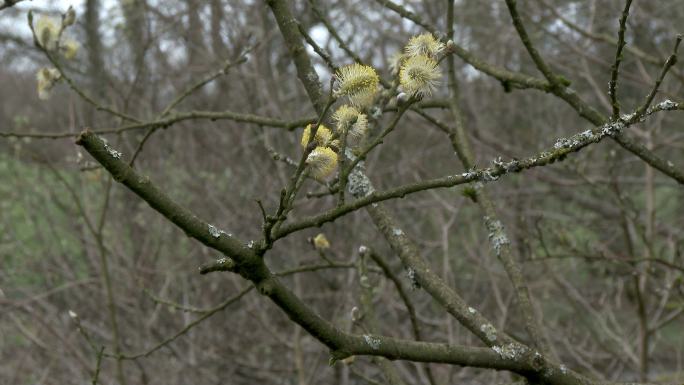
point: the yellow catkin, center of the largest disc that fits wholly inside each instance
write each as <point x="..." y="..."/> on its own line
<point x="323" y="136"/>
<point x="320" y="242"/>
<point x="344" y="117"/>
<point x="359" y="129"/>
<point x="350" y="120"/>
<point x="70" y="48"/>
<point x="47" y="32"/>
<point x="359" y="83"/>
<point x="419" y="75"/>
<point x="47" y="78"/>
<point x="424" y="44"/>
<point x="322" y="161"/>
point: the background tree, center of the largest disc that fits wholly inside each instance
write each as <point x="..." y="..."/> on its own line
<point x="538" y="239"/>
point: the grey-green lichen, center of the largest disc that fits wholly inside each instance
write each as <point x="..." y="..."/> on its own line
<point x="497" y="235"/>
<point x="358" y="183"/>
<point x="373" y="342"/>
<point x="215" y="232"/>
<point x="510" y="351"/>
<point x="413" y="278"/>
<point x="489" y="330"/>
<point x="111" y="151"/>
<point x="667" y="105"/>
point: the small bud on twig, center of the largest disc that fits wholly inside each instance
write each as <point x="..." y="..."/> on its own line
<point x="69" y="17"/>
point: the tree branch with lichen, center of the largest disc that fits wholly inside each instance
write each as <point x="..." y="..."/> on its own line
<point x="251" y="267"/>
<point x="560" y="88"/>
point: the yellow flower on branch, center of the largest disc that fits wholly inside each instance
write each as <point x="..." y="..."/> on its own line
<point x="359" y="129"/>
<point x="47" y="32"/>
<point x="352" y="121"/>
<point x="70" y="48"/>
<point x="419" y="75"/>
<point x="424" y="44"/>
<point x="359" y="83"/>
<point x="344" y="117"/>
<point x="320" y="242"/>
<point x="47" y="78"/>
<point x="322" y="138"/>
<point x="322" y="161"/>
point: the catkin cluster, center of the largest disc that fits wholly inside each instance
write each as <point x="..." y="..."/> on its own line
<point x="359" y="85"/>
<point x="49" y="35"/>
<point x="417" y="70"/>
<point x="418" y="67"/>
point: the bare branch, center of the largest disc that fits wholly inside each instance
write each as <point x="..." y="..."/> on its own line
<point x="612" y="85"/>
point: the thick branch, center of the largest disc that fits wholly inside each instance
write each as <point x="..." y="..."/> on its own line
<point x="560" y="150"/>
<point x="497" y="234"/>
<point x="290" y="31"/>
<point x="251" y="267"/>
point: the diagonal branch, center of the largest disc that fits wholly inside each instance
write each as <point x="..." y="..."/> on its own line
<point x="251" y="266"/>
<point x="401" y="290"/>
<point x="362" y="187"/>
<point x="497" y="234"/>
<point x="290" y="31"/>
<point x="560" y="89"/>
<point x="671" y="61"/>
<point x="606" y="38"/>
<point x="508" y="79"/>
<point x="558" y="152"/>
<point x="544" y="68"/>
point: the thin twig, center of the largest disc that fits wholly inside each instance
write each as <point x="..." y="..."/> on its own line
<point x="98" y="106"/>
<point x="170" y="121"/>
<point x="285" y="204"/>
<point x="612" y="85"/>
<point x="319" y="51"/>
<point x="333" y="32"/>
<point x="672" y="60"/>
<point x="96" y="374"/>
<point x="187" y="328"/>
